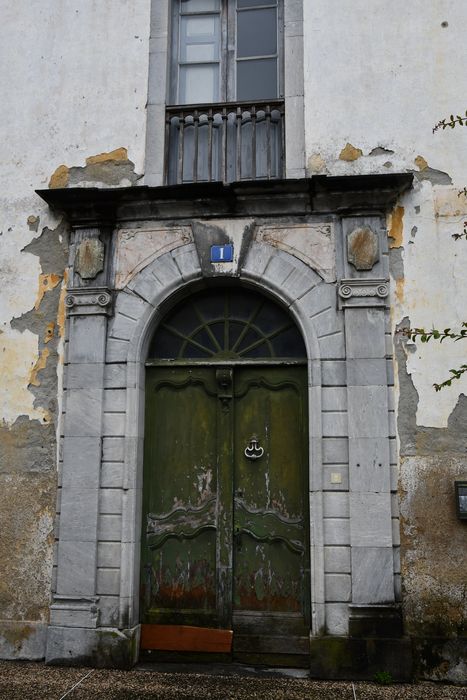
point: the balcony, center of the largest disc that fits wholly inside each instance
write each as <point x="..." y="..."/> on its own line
<point x="225" y="142"/>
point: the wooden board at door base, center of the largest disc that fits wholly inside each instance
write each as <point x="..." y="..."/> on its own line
<point x="186" y="638"/>
<point x="225" y="513"/>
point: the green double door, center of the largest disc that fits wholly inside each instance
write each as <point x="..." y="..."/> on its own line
<point x="225" y="504"/>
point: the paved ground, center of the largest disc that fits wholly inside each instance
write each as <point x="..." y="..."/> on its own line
<point x="35" y="681"/>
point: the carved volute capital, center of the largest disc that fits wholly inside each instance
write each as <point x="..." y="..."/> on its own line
<point x="89" y="301"/>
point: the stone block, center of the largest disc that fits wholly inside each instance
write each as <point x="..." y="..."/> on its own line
<point x="78" y="515"/>
<point x="375" y="621"/>
<point x="110" y="528"/>
<point x="337" y="560"/>
<point x="368" y="411"/>
<point x="110" y="501"/>
<point x="365" y="337"/>
<point x="84" y="376"/>
<point x="397" y="559"/>
<point x="336" y="531"/>
<point x="367" y="372"/>
<point x="122" y="327"/>
<point x="115" y="400"/>
<point x="117" y="350"/>
<point x="293" y="69"/>
<point x="76" y="571"/>
<point x="336" y="477"/>
<point x="108" y="581"/>
<point x="369" y="464"/>
<point x="396" y="532"/>
<point x="81" y="457"/>
<point x="294" y="107"/>
<point x="293" y="11"/>
<point x="145" y="285"/>
<point x="301" y="281"/>
<point x="334" y="398"/>
<point x="100" y="648"/>
<point x="338" y="588"/>
<point x="115" y="376"/>
<point x="394" y="477"/>
<point x="87" y="339"/>
<point x="186" y="259"/>
<point x="335" y="505"/>
<point x="166" y="272"/>
<point x="22" y="640"/>
<point x="370" y="517"/>
<point x="257" y="260"/>
<point x="334" y="373"/>
<point x="344" y="658"/>
<point x="112" y="475"/>
<point x="130" y="305"/>
<point x="337" y="619"/>
<point x="372" y="575"/>
<point x="109" y="555"/>
<point x="113" y="449"/>
<point x="332" y="346"/>
<point x="109" y="610"/>
<point x="335" y="450"/>
<point x="84" y="412"/>
<point x="113" y="424"/>
<point x="390" y="371"/>
<point x="334" y="424"/>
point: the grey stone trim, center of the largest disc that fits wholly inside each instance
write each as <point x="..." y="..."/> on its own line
<point x="363" y="292"/>
<point x="74" y="611"/>
<point x="85" y="301"/>
<point x="33" y="636"/>
<point x="277" y="272"/>
<point x="158" y="90"/>
<point x="102" y="647"/>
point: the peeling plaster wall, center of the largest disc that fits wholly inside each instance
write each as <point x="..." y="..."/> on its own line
<point x="74" y="86"/>
<point x="378" y="77"/>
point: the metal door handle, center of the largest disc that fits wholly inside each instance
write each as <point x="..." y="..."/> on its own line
<point x="253" y="449"/>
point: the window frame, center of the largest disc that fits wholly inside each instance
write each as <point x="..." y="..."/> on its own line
<point x="227" y="51"/>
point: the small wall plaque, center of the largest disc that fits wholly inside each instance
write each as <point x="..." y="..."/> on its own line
<point x="222" y="253"/>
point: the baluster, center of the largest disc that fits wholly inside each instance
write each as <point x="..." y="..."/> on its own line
<point x="181" y="145"/>
<point x="167" y="146"/>
<point x="195" y="145"/>
<point x="238" y="169"/>
<point x="267" y="115"/>
<point x="224" y="144"/>
<point x="281" y="172"/>
<point x="210" y="119"/>
<point x="253" y="142"/>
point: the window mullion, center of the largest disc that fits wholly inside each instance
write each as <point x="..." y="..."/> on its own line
<point x="231" y="53"/>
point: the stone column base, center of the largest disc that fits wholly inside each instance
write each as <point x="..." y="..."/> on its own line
<point x="102" y="647"/>
<point x="347" y="658"/>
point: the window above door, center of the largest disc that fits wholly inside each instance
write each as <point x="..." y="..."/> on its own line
<point x="226" y="113"/>
<point x="224" y="75"/>
<point x="225" y="51"/>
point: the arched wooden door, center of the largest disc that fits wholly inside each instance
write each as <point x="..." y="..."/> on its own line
<point x="225" y="498"/>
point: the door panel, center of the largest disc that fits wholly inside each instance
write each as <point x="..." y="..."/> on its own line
<point x="270" y="506"/>
<point x="224" y="540"/>
<point x="179" y="575"/>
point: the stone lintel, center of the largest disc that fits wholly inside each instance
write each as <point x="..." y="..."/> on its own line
<point x="319" y="194"/>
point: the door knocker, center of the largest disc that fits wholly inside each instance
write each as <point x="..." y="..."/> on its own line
<point x="253" y="450"/>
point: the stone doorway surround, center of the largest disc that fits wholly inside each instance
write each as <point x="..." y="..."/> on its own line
<point x="319" y="248"/>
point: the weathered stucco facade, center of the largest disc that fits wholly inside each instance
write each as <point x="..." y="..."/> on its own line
<point x="361" y="99"/>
